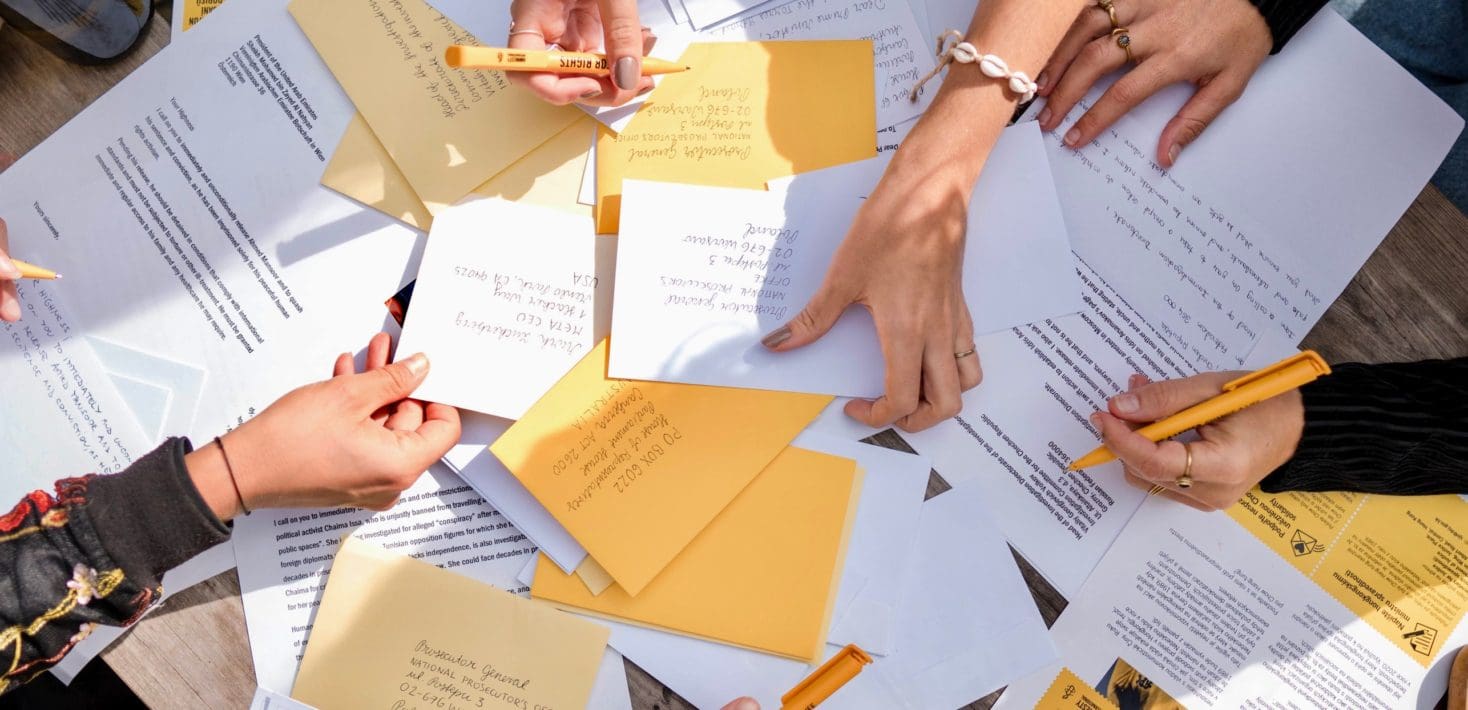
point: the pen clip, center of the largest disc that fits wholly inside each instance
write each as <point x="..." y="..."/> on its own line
<point x="1304" y="356"/>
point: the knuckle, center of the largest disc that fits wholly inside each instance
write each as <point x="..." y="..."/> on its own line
<point x="1126" y="92"/>
<point x="623" y="32"/>
<point x="1094" y="52"/>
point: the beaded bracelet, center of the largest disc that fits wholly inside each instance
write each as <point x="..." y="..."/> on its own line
<point x="953" y="48"/>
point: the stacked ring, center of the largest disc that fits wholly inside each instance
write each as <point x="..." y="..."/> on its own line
<point x="1122" y="34"/>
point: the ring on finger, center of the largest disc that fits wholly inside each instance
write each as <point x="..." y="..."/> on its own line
<point x="1110" y="8"/>
<point x="1124" y="40"/>
<point x="536" y="33"/>
<point x="963" y="354"/>
<point x="1155" y="489"/>
<point x="1186" y="480"/>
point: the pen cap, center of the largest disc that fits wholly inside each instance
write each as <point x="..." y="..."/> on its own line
<point x="1299" y="369"/>
<point x="827" y="679"/>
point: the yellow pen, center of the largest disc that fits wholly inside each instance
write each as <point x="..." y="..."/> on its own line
<point x="31" y="271"/>
<point x="1253" y="388"/>
<point x="826" y="680"/>
<point x="463" y="57"/>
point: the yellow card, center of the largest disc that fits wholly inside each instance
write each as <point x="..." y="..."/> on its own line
<point x="635" y="470"/>
<point x="1069" y="692"/>
<point x="748" y="112"/>
<point x="195" y="10"/>
<point x="1396" y="561"/>
<point x="396" y="632"/>
<point x="549" y="176"/>
<point x="762" y="575"/>
<point x="449" y="131"/>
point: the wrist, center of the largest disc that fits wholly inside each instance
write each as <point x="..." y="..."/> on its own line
<point x="210" y="473"/>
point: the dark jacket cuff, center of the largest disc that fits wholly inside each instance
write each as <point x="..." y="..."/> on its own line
<point x="1286" y="17"/>
<point x="150" y="517"/>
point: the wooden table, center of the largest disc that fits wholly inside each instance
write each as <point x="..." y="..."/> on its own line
<point x="1409" y="302"/>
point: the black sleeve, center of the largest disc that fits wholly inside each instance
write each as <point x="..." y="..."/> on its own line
<point x="1398" y="429"/>
<point x="1286" y="17"/>
<point x="94" y="552"/>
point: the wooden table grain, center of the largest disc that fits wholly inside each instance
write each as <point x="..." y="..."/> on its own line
<point x="1409" y="302"/>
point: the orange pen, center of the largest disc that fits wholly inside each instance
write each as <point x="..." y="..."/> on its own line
<point x="826" y="680"/>
<point x="561" y="62"/>
<point x="31" y="271"/>
<point x="1253" y="388"/>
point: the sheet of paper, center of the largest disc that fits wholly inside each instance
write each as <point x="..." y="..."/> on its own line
<point x="939" y="16"/>
<point x="900" y="53"/>
<point x="507" y="300"/>
<point x="474" y="643"/>
<point x="704" y="13"/>
<point x="361" y="169"/>
<point x="183" y="382"/>
<point x="1150" y="314"/>
<point x="448" y="130"/>
<point x="285" y="559"/>
<point x="586" y="195"/>
<point x="153" y="204"/>
<point x="653" y="463"/>
<point x="1219" y="618"/>
<point x="480" y="468"/>
<point x="882" y="538"/>
<point x="270" y="700"/>
<point x="1262" y="227"/>
<point x="967" y="625"/>
<point x="713" y="270"/>
<point x="747" y="112"/>
<point x="596" y="579"/>
<point x="787" y="530"/>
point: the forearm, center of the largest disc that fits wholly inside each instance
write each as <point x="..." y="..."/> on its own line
<point x="1286" y="17"/>
<point x="953" y="138"/>
<point x="1391" y="429"/>
<point x="94" y="553"/>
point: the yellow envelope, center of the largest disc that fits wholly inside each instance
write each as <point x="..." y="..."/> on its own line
<point x="195" y="10"/>
<point x="594" y="576"/>
<point x="449" y="131"/>
<point x="1069" y="692"/>
<point x="396" y="632"/>
<point x="635" y="470"/>
<point x="549" y="176"/>
<point x="746" y="113"/>
<point x="762" y="575"/>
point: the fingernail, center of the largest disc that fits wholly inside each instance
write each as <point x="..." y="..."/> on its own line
<point x="776" y="337"/>
<point x="1096" y="420"/>
<point x="746" y="704"/>
<point x="9" y="271"/>
<point x="1045" y="116"/>
<point x="591" y="94"/>
<point x="626" y="73"/>
<point x="1042" y="81"/>
<point x="1126" y="403"/>
<point x="1173" y="152"/>
<point x="648" y="89"/>
<point x="1072" y="137"/>
<point x="418" y="364"/>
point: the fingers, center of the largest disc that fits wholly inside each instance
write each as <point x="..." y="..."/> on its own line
<point x="1097" y="58"/>
<point x="941" y="398"/>
<point x="344" y="366"/>
<point x="903" y="352"/>
<point x="376" y="388"/>
<point x="549" y="21"/>
<point x="742" y="704"/>
<point x="970" y="372"/>
<point x="1156" y="462"/>
<point x="378" y="349"/>
<point x="1200" y="111"/>
<point x="439" y="431"/>
<point x="407" y="415"/>
<point x="623" y="41"/>
<point x="812" y="322"/>
<point x="1162" y="464"/>
<point x="9" y="299"/>
<point x="1146" y="485"/>
<point x="1131" y="89"/>
<point x="1152" y="401"/>
<point x="1091" y="23"/>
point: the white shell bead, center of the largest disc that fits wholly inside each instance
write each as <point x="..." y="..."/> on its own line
<point x="993" y="67"/>
<point x="1019" y="83"/>
<point x="964" y="53"/>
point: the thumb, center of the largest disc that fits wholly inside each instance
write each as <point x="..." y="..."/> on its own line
<point x="1156" y="400"/>
<point x="386" y="385"/>
<point x="1197" y="114"/>
<point x="745" y="703"/>
<point x="623" y="40"/>
<point x="812" y="322"/>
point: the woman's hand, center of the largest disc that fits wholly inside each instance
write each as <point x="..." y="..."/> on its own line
<point x="1234" y="454"/>
<point x="903" y="260"/>
<point x="354" y="440"/>
<point x="583" y="26"/>
<point x="1215" y="44"/>
<point x="9" y="274"/>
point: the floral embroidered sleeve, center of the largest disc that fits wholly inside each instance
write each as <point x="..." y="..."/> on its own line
<point x="93" y="552"/>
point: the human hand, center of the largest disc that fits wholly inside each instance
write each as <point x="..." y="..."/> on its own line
<point x="1233" y="455"/>
<point x="902" y="259"/>
<point x="9" y="274"/>
<point x="611" y="26"/>
<point x="1214" y="44"/>
<point x="353" y="440"/>
<point x="742" y="704"/>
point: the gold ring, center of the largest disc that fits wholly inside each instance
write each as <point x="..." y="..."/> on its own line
<point x="1156" y="489"/>
<point x="964" y="354"/>
<point x="537" y="33"/>
<point x="1186" y="480"/>
<point x="1110" y="9"/>
<point x="1124" y="41"/>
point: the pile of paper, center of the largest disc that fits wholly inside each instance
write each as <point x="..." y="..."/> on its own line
<point x="591" y="286"/>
